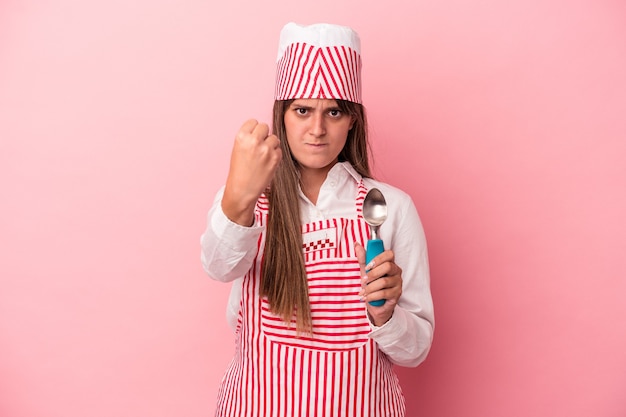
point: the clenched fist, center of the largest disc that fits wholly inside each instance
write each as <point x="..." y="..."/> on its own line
<point x="253" y="162"/>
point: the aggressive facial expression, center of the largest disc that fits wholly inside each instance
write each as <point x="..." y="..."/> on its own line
<point x="317" y="131"/>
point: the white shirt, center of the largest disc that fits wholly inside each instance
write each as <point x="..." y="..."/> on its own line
<point x="228" y="251"/>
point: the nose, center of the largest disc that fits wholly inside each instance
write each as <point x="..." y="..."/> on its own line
<point x="318" y="125"/>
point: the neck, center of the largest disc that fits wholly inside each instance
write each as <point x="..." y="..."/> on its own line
<point x="311" y="181"/>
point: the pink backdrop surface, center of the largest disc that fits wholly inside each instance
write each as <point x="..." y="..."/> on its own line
<point x="504" y="120"/>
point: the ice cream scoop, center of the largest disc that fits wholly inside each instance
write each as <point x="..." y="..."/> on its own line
<point x="374" y="214"/>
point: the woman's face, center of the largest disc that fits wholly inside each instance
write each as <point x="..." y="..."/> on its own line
<point x="316" y="132"/>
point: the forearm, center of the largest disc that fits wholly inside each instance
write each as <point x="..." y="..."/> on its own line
<point x="406" y="338"/>
<point x="227" y="248"/>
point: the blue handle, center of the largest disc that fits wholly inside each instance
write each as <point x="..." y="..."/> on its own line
<point x="374" y="247"/>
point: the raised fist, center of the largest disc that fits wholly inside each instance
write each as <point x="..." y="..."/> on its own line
<point x="253" y="162"/>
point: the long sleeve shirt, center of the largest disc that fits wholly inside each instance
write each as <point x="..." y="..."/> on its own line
<point x="229" y="249"/>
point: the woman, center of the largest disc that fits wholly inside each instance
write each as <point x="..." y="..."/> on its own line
<point x="287" y="229"/>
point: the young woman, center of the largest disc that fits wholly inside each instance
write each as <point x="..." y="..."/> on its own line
<point x="288" y="230"/>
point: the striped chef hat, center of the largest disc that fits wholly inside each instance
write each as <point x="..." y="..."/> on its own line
<point x="318" y="61"/>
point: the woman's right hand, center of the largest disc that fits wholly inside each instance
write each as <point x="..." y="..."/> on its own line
<point x="253" y="162"/>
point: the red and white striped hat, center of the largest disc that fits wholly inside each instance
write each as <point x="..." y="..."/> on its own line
<point x="318" y="61"/>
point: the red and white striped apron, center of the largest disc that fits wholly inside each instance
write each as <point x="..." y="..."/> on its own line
<point x="336" y="371"/>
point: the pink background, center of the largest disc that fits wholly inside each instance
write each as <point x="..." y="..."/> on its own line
<point x="505" y="120"/>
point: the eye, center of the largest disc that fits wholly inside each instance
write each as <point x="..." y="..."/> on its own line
<point x="301" y="111"/>
<point x="335" y="113"/>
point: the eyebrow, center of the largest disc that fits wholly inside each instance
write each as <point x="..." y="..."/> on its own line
<point x="307" y="107"/>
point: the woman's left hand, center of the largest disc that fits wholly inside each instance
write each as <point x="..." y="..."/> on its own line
<point x="381" y="279"/>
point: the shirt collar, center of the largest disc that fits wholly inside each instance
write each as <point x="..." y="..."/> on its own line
<point x="341" y="171"/>
<point x="344" y="168"/>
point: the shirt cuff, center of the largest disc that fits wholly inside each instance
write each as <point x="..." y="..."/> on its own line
<point x="237" y="237"/>
<point x="388" y="334"/>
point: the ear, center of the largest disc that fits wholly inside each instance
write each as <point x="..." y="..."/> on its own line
<point x="352" y="121"/>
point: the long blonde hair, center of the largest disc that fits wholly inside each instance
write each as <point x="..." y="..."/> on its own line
<point x="283" y="274"/>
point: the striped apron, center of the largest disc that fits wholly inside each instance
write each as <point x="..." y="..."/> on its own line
<point x="336" y="371"/>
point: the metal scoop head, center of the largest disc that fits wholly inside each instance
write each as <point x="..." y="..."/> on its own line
<point x="374" y="210"/>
